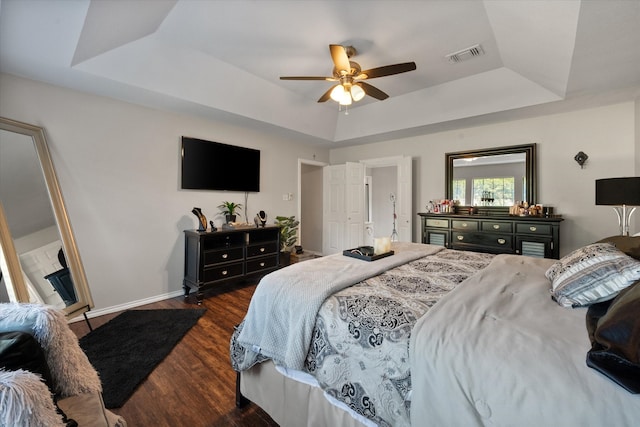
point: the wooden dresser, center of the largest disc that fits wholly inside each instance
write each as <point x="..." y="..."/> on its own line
<point x="213" y="258"/>
<point x="528" y="235"/>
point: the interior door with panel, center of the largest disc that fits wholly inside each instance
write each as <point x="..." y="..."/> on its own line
<point x="334" y="208"/>
<point x="355" y="205"/>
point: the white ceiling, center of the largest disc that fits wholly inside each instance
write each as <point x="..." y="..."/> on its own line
<point x="222" y="59"/>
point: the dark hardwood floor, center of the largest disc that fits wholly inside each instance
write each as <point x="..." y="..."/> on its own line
<point x="194" y="385"/>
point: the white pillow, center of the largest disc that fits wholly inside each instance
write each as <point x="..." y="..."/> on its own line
<point x="592" y="274"/>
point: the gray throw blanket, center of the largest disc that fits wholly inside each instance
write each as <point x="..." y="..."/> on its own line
<point x="282" y="313"/>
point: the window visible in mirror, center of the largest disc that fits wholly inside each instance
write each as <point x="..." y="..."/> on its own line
<point x="460" y="191"/>
<point x="494" y="191"/>
<point x="490" y="180"/>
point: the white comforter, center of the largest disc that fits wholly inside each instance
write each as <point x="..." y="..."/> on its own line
<point x="497" y="351"/>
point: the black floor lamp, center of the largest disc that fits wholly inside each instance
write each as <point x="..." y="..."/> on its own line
<point x="621" y="193"/>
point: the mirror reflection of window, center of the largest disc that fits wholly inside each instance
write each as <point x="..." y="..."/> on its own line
<point x="460" y="191"/>
<point x="494" y="191"/>
<point x="489" y="180"/>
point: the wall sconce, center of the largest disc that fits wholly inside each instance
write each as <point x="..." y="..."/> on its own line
<point x="619" y="193"/>
<point x="581" y="158"/>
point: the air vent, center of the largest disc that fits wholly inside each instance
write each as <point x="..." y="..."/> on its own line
<point x="465" y="54"/>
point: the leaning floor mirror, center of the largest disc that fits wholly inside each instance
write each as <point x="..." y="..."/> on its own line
<point x="39" y="259"/>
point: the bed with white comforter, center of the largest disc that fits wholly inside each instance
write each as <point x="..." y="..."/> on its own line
<point x="427" y="337"/>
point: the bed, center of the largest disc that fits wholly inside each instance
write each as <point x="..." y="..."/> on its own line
<point x="436" y="337"/>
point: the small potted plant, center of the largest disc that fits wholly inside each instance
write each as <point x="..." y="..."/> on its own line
<point x="288" y="236"/>
<point x="230" y="210"/>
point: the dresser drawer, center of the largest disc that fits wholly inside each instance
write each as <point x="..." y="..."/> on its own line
<point x="256" y="265"/>
<point x="533" y="228"/>
<point x="464" y="225"/>
<point x="437" y="223"/>
<point x="223" y="272"/>
<point x="223" y="255"/>
<point x="223" y="240"/>
<point x="494" y="240"/>
<point x="497" y="226"/>
<point x="262" y="249"/>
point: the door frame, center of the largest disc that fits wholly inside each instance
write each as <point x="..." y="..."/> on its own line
<point x="301" y="196"/>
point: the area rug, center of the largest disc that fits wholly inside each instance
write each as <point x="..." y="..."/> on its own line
<point x="127" y="349"/>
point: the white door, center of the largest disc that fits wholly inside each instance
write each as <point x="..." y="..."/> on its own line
<point x="404" y="200"/>
<point x="355" y="205"/>
<point x="334" y="208"/>
<point x="343" y="207"/>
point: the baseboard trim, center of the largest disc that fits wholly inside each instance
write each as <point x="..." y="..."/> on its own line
<point x="132" y="304"/>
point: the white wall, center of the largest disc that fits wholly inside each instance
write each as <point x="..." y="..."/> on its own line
<point x="607" y="134"/>
<point x="118" y="165"/>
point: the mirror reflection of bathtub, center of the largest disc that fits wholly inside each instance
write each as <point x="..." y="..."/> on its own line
<point x="34" y="219"/>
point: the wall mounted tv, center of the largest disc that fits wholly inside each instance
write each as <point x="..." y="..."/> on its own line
<point x="208" y="165"/>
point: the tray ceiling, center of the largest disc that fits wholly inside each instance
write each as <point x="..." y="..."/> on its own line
<point x="223" y="59"/>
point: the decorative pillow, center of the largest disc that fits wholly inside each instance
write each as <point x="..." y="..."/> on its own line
<point x="630" y="245"/>
<point x="614" y="331"/>
<point x="591" y="274"/>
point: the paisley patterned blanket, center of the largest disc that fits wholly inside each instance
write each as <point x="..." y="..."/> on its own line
<point x="359" y="348"/>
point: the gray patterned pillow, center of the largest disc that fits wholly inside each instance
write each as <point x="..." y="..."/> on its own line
<point x="591" y="274"/>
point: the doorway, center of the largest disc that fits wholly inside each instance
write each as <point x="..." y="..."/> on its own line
<point x="310" y="205"/>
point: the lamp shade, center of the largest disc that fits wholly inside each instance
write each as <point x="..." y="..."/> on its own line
<point x="618" y="191"/>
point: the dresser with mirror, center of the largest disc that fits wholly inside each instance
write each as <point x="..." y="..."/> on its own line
<point x="485" y="184"/>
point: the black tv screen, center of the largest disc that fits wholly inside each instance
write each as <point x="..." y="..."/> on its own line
<point x="208" y="165"/>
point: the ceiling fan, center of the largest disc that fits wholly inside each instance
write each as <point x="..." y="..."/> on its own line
<point x="350" y="76"/>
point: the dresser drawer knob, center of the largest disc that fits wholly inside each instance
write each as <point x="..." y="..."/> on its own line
<point x="464" y="225"/>
<point x="460" y="238"/>
<point x="225" y="272"/>
<point x="225" y="256"/>
<point x="532" y="228"/>
<point x="262" y="249"/>
<point x="502" y="241"/>
<point x="262" y="264"/>
<point x="496" y="226"/>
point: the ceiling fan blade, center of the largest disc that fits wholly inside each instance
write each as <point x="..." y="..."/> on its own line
<point x="373" y="91"/>
<point x="327" y="95"/>
<point x="340" y="58"/>
<point x="387" y="70"/>
<point x="328" y="79"/>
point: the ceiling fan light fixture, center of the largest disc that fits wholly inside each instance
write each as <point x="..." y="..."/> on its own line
<point x="346" y="98"/>
<point x="338" y="93"/>
<point x="357" y="93"/>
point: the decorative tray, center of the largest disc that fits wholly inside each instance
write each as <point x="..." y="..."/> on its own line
<point x="365" y="253"/>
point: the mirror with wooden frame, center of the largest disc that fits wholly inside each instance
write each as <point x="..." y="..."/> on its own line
<point x="491" y="179"/>
<point x="39" y="258"/>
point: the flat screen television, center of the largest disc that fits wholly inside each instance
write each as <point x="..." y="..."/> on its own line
<point x="208" y="165"/>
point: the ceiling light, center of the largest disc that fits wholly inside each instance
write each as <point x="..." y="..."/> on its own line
<point x="357" y="93"/>
<point x="337" y="93"/>
<point x="346" y="98"/>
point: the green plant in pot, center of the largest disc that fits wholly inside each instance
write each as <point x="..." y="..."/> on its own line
<point x="230" y="210"/>
<point x="288" y="234"/>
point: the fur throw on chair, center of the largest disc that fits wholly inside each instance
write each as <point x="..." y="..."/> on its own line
<point x="23" y="389"/>
<point x="71" y="371"/>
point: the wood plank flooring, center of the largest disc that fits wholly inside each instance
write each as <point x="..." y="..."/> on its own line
<point x="195" y="384"/>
